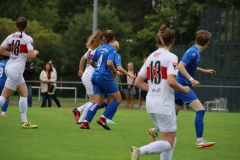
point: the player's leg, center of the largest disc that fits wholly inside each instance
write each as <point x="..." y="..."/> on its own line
<point x="168" y="128"/>
<point x="197" y="106"/>
<point x="111" y="88"/>
<point x="23" y="106"/>
<point x="126" y="93"/>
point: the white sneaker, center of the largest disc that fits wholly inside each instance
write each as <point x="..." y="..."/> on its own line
<point x="110" y="121"/>
<point x="154" y="133"/>
<point x="204" y="144"/>
<point x="135" y="153"/>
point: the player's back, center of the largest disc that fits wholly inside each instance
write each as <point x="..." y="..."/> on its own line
<point x="101" y="57"/>
<point x="19" y="49"/>
<point x="160" y="64"/>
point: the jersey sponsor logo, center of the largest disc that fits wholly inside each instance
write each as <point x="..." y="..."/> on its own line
<point x="157" y="54"/>
<point x="175" y="65"/>
<point x="156" y="90"/>
<point x="193" y="54"/>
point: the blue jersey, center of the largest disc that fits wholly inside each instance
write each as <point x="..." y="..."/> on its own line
<point x="3" y="76"/>
<point x="116" y="58"/>
<point x="191" y="59"/>
<point x="101" y="56"/>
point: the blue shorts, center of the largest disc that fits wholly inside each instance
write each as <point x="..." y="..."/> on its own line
<point x="183" y="98"/>
<point x="103" y="85"/>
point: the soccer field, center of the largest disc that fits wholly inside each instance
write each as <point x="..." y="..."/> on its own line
<point x="60" y="138"/>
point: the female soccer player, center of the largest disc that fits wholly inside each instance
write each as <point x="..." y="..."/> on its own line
<point x="92" y="43"/>
<point x="160" y="71"/>
<point x="21" y="46"/>
<point x="105" y="61"/>
<point x="187" y="66"/>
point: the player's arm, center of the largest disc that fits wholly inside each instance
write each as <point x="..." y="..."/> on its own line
<point x="171" y="80"/>
<point x="182" y="69"/>
<point x="139" y="83"/>
<point x="4" y="52"/>
<point x="111" y="66"/>
<point x="206" y="70"/>
<point x="81" y="66"/>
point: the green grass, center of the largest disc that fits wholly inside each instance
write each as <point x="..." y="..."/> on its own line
<point x="60" y="138"/>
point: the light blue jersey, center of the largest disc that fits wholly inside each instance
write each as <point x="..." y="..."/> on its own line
<point x="191" y="59"/>
<point x="101" y="57"/>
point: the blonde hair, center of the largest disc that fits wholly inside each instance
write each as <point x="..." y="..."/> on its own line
<point x="115" y="44"/>
<point x="95" y="40"/>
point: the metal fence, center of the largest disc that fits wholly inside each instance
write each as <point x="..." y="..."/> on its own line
<point x="223" y="55"/>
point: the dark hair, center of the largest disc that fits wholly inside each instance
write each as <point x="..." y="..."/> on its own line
<point x="21" y="24"/>
<point x="109" y="36"/>
<point x="50" y="67"/>
<point x="202" y="37"/>
<point x="52" y="62"/>
<point x="5" y="57"/>
<point x="165" y="36"/>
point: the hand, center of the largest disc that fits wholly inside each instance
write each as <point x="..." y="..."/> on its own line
<point x="132" y="76"/>
<point x="129" y="87"/>
<point x="36" y="52"/>
<point x="210" y="71"/>
<point x="80" y="73"/>
<point x="195" y="83"/>
<point x="119" y="73"/>
<point x="186" y="89"/>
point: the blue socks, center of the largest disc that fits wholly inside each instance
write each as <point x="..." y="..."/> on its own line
<point x="104" y="104"/>
<point x="199" y="125"/>
<point x="91" y="112"/>
<point x="111" y="109"/>
<point x="5" y="106"/>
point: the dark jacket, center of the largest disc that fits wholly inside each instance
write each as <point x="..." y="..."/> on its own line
<point x="29" y="72"/>
<point x="124" y="80"/>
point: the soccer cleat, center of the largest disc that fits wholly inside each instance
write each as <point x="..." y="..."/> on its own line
<point x="76" y="114"/>
<point x="204" y="144"/>
<point x="3" y="115"/>
<point x="27" y="125"/>
<point x="135" y="153"/>
<point x="102" y="122"/>
<point x="110" y="121"/>
<point x="85" y="125"/>
<point x="153" y="133"/>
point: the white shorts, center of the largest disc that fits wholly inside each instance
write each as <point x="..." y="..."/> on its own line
<point x="14" y="79"/>
<point x="165" y="123"/>
<point x="86" y="79"/>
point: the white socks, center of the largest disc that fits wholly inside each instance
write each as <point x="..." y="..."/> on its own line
<point x="155" y="147"/>
<point x="85" y="111"/>
<point x="168" y="154"/>
<point x="81" y="108"/>
<point x="2" y="101"/>
<point x="23" y="108"/>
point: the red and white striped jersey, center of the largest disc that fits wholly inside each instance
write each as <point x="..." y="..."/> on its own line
<point x="88" y="55"/>
<point x="19" y="48"/>
<point x="160" y="96"/>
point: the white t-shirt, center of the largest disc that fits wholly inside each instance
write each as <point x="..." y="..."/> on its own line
<point x="160" y="96"/>
<point x="88" y="55"/>
<point x="19" y="50"/>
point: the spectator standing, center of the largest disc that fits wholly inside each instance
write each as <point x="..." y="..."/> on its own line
<point x="142" y="93"/>
<point x="28" y="76"/>
<point x="129" y="90"/>
<point x="54" y="97"/>
<point x="47" y="78"/>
